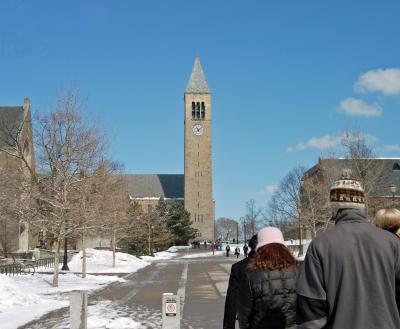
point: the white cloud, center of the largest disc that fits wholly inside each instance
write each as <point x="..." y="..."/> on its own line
<point x="324" y="143"/>
<point x="357" y="107"/>
<point x="386" y="81"/>
<point x="269" y="190"/>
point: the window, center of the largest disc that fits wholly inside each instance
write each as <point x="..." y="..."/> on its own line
<point x="193" y="110"/>
<point x="203" y="110"/>
<point x="198" y="110"/>
<point x="396" y="166"/>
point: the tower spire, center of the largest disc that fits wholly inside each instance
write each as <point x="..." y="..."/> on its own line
<point x="197" y="82"/>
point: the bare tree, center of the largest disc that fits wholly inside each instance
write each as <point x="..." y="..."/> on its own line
<point x="70" y="150"/>
<point x="285" y="206"/>
<point x="252" y="217"/>
<point x="361" y="159"/>
<point x="227" y="228"/>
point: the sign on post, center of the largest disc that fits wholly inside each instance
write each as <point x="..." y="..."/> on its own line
<point x="171" y="311"/>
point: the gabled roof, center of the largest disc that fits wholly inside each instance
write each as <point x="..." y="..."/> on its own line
<point x="11" y="120"/>
<point x="197" y="82"/>
<point x="155" y="186"/>
<point x="389" y="167"/>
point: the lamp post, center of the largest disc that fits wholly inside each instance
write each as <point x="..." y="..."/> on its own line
<point x="65" y="259"/>
<point x="393" y="190"/>
<point x="244" y="229"/>
<point x="237" y="233"/>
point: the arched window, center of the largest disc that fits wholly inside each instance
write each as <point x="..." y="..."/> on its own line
<point x="193" y="110"/>
<point x="198" y="110"/>
<point x="203" y="110"/>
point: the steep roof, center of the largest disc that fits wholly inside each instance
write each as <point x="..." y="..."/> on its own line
<point x="155" y="186"/>
<point x="197" y="82"/>
<point x="389" y="167"/>
<point x="11" y="120"/>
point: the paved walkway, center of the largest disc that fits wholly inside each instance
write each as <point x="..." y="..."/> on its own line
<point x="201" y="283"/>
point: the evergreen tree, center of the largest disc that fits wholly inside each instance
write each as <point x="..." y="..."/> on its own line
<point x="179" y="223"/>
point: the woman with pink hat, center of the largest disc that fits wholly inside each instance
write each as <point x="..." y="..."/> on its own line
<point x="267" y="297"/>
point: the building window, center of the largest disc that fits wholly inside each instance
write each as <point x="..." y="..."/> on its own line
<point x="203" y="110"/>
<point x="396" y="166"/>
<point x="198" y="110"/>
<point x="193" y="110"/>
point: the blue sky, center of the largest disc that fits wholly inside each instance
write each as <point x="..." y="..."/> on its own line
<point x="287" y="77"/>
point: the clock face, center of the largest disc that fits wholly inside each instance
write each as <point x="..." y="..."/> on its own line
<point x="198" y="130"/>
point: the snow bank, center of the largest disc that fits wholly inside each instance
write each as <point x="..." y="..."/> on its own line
<point x="12" y="295"/>
<point x="100" y="261"/>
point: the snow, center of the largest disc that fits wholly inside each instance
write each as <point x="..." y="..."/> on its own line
<point x="12" y="295"/>
<point x="104" y="315"/>
<point x="100" y="261"/>
<point x="28" y="297"/>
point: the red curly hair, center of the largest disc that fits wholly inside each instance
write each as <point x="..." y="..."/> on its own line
<point x="273" y="256"/>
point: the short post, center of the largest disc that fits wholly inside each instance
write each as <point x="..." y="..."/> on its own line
<point x="171" y="311"/>
<point x="78" y="310"/>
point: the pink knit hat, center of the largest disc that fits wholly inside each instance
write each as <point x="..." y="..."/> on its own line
<point x="269" y="235"/>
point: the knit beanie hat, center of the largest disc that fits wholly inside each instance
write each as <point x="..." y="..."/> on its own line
<point x="346" y="193"/>
<point x="269" y="235"/>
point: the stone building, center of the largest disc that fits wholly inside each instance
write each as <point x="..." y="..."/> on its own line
<point x="381" y="179"/>
<point x="15" y="139"/>
<point x="194" y="187"/>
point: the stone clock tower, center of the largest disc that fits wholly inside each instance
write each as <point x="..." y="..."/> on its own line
<point x="198" y="168"/>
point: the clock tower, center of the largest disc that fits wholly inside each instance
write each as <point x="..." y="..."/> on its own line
<point x="198" y="165"/>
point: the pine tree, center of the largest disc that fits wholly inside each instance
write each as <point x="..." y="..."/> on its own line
<point x="179" y="223"/>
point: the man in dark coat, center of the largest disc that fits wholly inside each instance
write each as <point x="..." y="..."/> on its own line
<point x="351" y="273"/>
<point x="238" y="271"/>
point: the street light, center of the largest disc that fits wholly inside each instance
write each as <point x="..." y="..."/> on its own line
<point x="65" y="260"/>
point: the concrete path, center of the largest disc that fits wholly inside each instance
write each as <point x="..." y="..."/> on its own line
<point x="201" y="282"/>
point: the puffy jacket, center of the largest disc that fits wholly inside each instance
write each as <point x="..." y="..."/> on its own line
<point x="267" y="299"/>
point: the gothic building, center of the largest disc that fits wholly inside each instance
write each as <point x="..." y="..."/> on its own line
<point x="194" y="188"/>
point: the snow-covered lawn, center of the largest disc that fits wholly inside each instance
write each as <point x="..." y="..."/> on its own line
<point x="28" y="297"/>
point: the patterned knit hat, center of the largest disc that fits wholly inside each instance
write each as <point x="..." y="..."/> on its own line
<point x="346" y="193"/>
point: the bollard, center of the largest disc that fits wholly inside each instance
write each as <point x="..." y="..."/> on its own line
<point x="171" y="311"/>
<point x="78" y="310"/>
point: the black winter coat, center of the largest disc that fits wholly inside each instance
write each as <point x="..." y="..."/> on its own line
<point x="238" y="271"/>
<point x="267" y="300"/>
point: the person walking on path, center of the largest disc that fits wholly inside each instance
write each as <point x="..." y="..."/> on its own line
<point x="351" y="272"/>
<point x="237" y="251"/>
<point x="267" y="295"/>
<point x="389" y="220"/>
<point x="245" y="250"/>
<point x="213" y="247"/>
<point x="205" y="244"/>
<point x="238" y="271"/>
<point x="228" y="249"/>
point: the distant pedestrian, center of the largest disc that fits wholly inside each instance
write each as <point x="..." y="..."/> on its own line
<point x="351" y="273"/>
<point x="245" y="250"/>
<point x="237" y="251"/>
<point x="213" y="247"/>
<point x="238" y="271"/>
<point x="205" y="244"/>
<point x="228" y="249"/>
<point x="389" y="220"/>
<point x="267" y="294"/>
